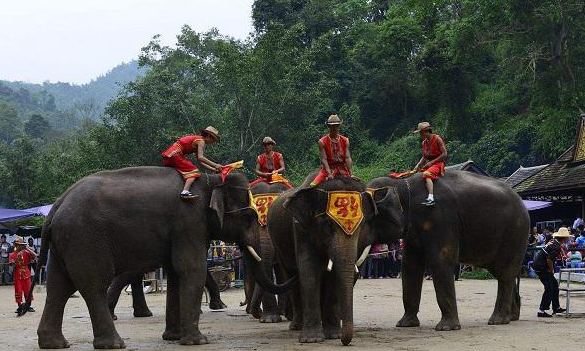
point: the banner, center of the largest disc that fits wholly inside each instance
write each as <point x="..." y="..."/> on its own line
<point x="261" y="203"/>
<point x="345" y="208"/>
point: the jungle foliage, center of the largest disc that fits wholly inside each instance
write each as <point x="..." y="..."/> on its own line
<point x="503" y="82"/>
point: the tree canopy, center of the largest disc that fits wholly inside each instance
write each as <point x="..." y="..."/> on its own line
<point x="502" y="81"/>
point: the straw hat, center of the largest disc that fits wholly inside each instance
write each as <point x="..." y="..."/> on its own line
<point x="268" y="140"/>
<point x="423" y="126"/>
<point x="333" y="120"/>
<point x="211" y="131"/>
<point x="562" y="233"/>
<point x="19" y="241"/>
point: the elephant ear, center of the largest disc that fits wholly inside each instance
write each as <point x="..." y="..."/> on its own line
<point x="300" y="206"/>
<point x="369" y="207"/>
<point x="217" y="203"/>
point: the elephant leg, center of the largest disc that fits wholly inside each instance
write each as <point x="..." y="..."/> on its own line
<point x="444" y="282"/>
<point x="249" y="285"/>
<point x="191" y="283"/>
<point x="173" y="310"/>
<point x="256" y="301"/>
<point x="310" y="273"/>
<point x="138" y="300"/>
<point x="505" y="299"/>
<point x="413" y="268"/>
<point x="215" y="302"/>
<point x="270" y="309"/>
<point x="330" y="308"/>
<point x="59" y="289"/>
<point x="284" y="300"/>
<point x="105" y="335"/>
<point x="114" y="291"/>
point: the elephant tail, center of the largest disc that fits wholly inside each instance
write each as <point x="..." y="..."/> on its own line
<point x="517" y="297"/>
<point x="264" y="281"/>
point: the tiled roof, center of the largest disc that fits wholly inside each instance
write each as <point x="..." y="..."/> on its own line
<point x="469" y="166"/>
<point x="522" y="174"/>
<point x="563" y="175"/>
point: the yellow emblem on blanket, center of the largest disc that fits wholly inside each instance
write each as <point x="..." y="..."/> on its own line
<point x="345" y="208"/>
<point x="261" y="203"/>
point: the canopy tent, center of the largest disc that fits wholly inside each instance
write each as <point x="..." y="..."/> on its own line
<point x="7" y="215"/>
<point x="40" y="210"/>
<point x="536" y="205"/>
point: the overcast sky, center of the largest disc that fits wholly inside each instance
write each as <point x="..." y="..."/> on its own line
<point x="77" y="40"/>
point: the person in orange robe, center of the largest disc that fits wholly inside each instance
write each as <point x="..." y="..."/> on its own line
<point x="269" y="163"/>
<point x="334" y="151"/>
<point x="432" y="162"/>
<point x="174" y="157"/>
<point x="21" y="259"/>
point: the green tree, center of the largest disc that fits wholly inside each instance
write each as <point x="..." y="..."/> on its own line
<point x="37" y="127"/>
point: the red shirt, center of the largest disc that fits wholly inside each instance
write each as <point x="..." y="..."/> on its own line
<point x="184" y="145"/>
<point x="431" y="149"/>
<point x="335" y="150"/>
<point x="265" y="166"/>
<point x="21" y="260"/>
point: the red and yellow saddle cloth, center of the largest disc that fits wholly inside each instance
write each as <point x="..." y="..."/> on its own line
<point x="345" y="208"/>
<point x="261" y="204"/>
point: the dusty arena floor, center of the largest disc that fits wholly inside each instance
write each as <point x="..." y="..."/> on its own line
<point x="378" y="306"/>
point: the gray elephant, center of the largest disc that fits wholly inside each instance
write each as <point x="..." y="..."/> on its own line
<point x="264" y="193"/>
<point x="310" y="243"/>
<point x="477" y="220"/>
<point x="139" y="306"/>
<point x="130" y="220"/>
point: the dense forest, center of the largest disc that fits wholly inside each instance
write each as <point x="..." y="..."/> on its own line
<point x="502" y="81"/>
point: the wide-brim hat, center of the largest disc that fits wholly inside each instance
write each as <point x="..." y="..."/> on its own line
<point x="211" y="131"/>
<point x="268" y="140"/>
<point x="563" y="232"/>
<point x="333" y="120"/>
<point x="19" y="241"/>
<point x="423" y="126"/>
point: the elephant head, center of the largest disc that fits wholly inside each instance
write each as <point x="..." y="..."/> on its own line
<point x="389" y="223"/>
<point x="320" y="212"/>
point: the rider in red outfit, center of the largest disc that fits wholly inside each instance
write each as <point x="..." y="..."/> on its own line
<point x="334" y="150"/>
<point x="432" y="162"/>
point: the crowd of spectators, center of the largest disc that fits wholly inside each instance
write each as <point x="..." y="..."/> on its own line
<point x="384" y="261"/>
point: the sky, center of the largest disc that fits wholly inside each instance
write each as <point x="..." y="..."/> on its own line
<point x="77" y="40"/>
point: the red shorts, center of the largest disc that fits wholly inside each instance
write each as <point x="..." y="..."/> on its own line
<point x="183" y="165"/>
<point x="323" y="174"/>
<point x="435" y="171"/>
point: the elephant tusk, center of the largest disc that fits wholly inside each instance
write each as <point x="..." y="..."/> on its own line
<point x="363" y="256"/>
<point x="329" y="266"/>
<point x="253" y="253"/>
<point x="357" y="270"/>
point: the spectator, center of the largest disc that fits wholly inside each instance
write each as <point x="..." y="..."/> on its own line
<point x="21" y="258"/>
<point x="580" y="241"/>
<point x="544" y="267"/>
<point x="533" y="237"/>
<point x="578" y="222"/>
<point x="5" y="249"/>
<point x="548" y="234"/>
<point x="574" y="259"/>
<point x="33" y="264"/>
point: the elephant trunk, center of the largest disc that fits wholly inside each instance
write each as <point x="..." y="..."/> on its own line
<point x="263" y="280"/>
<point x="345" y="254"/>
<point x="266" y="262"/>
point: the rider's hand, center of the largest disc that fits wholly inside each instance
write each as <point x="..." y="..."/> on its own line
<point x="218" y="168"/>
<point x="329" y="176"/>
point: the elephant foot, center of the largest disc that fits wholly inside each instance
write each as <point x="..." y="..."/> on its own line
<point x="217" y="305"/>
<point x="256" y="313"/>
<point x="447" y="324"/>
<point x="56" y="342"/>
<point x="311" y="335"/>
<point x="270" y="318"/>
<point x="196" y="339"/>
<point x="171" y="335"/>
<point x="498" y="319"/>
<point x="332" y="332"/>
<point x="139" y="313"/>
<point x="295" y="325"/>
<point x="109" y="342"/>
<point x="408" y="321"/>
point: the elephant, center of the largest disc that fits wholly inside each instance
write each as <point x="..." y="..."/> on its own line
<point x="139" y="302"/>
<point x="324" y="257"/>
<point x="93" y="231"/>
<point x="271" y="309"/>
<point x="477" y="220"/>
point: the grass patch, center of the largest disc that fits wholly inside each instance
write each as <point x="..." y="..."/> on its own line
<point x="480" y="274"/>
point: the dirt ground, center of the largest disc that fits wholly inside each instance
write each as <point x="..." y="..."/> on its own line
<point x="378" y="306"/>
